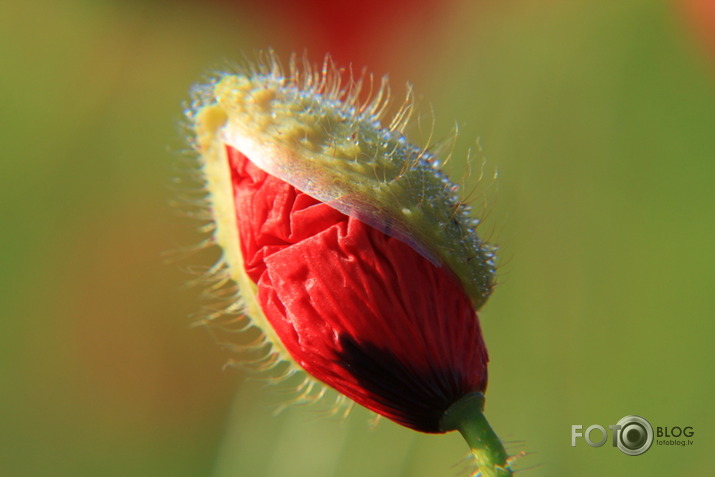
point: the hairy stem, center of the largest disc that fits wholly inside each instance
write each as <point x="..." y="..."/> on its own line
<point x="466" y="416"/>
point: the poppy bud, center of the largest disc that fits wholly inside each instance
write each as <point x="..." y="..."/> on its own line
<point x="351" y="250"/>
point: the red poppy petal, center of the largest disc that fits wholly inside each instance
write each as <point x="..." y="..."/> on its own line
<point x="359" y="310"/>
<point x="272" y="213"/>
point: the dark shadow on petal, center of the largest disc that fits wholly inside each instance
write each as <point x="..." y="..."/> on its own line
<point x="415" y="398"/>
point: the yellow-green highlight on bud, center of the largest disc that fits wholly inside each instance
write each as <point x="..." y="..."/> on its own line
<point x="467" y="417"/>
<point x="306" y="128"/>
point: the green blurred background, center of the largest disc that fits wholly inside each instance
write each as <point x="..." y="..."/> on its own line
<point x="599" y="118"/>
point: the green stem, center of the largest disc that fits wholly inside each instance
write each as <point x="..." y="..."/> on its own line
<point x="466" y="416"/>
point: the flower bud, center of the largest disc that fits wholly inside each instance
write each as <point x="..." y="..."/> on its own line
<point x="350" y="248"/>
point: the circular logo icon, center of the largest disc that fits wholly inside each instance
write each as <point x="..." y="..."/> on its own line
<point x="635" y="435"/>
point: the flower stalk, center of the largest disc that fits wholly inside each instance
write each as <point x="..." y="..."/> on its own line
<point x="467" y="417"/>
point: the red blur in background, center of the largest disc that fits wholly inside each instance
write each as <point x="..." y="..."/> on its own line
<point x="363" y="34"/>
<point x="700" y="17"/>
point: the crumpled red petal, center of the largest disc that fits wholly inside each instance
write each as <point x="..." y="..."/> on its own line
<point x="359" y="310"/>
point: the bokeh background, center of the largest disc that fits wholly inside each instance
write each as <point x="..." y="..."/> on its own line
<point x="598" y="118"/>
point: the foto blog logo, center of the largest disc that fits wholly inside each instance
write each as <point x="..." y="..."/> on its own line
<point x="633" y="435"/>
